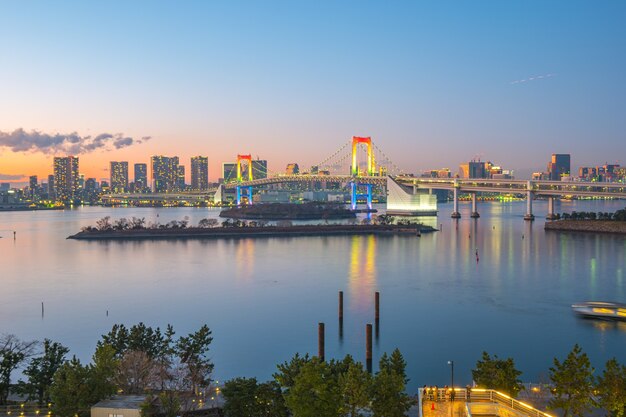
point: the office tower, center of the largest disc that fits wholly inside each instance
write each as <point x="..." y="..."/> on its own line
<point x="51" y="191"/>
<point x="180" y="178"/>
<point x="472" y="169"/>
<point x="119" y="176"/>
<point x="66" y="178"/>
<point x="5" y="186"/>
<point x="141" y="177"/>
<point x="33" y="187"/>
<point x="292" y="169"/>
<point x="199" y="173"/>
<point x="559" y="166"/>
<point x="164" y="173"/>
<point x="229" y="172"/>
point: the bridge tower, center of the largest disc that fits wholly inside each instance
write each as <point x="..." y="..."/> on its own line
<point x="357" y="188"/>
<point x="240" y="179"/>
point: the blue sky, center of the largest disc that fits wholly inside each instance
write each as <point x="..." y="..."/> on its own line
<point x="433" y="82"/>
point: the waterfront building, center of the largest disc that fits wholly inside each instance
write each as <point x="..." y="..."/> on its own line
<point x="164" y="173"/>
<point x="119" y="176"/>
<point x="472" y="169"/>
<point x="559" y="167"/>
<point x="199" y="173"/>
<point x="33" y="187"/>
<point x="141" y="177"/>
<point x="51" y="195"/>
<point x="66" y="179"/>
<point x="292" y="169"/>
<point x="180" y="178"/>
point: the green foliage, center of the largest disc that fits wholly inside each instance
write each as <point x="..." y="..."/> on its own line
<point x="102" y="372"/>
<point x="170" y="404"/>
<point x="389" y="398"/>
<point x="193" y="351"/>
<point x="40" y="372"/>
<point x="498" y="374"/>
<point x="245" y="397"/>
<point x="140" y="338"/>
<point x="288" y="371"/>
<point x="354" y="387"/>
<point x="573" y="383"/>
<point x="315" y="391"/>
<point x="70" y="390"/>
<point x="612" y="388"/>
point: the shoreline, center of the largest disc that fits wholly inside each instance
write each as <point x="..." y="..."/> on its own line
<point x="587" y="226"/>
<point x="247" y="232"/>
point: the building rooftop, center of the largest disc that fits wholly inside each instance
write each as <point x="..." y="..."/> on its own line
<point x="122" y="401"/>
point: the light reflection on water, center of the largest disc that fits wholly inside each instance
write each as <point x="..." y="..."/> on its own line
<point x="263" y="298"/>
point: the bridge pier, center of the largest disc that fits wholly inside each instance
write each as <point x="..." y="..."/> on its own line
<point x="455" y="211"/>
<point x="551" y="215"/>
<point x="529" y="203"/>
<point x="474" y="214"/>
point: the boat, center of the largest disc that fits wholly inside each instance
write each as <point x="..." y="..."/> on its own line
<point x="601" y="310"/>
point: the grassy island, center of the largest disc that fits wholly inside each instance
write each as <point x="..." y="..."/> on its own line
<point x="590" y="222"/>
<point x="209" y="228"/>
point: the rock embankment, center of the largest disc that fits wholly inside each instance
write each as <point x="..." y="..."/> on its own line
<point x="590" y="226"/>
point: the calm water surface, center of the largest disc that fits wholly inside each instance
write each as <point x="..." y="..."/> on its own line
<point x="263" y="298"/>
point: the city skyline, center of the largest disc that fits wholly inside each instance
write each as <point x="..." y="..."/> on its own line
<point x="433" y="84"/>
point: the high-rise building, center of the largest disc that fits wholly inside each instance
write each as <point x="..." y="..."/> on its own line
<point x="180" y="178"/>
<point x="199" y="173"/>
<point x="292" y="169"/>
<point x="119" y="176"/>
<point x="51" y="190"/>
<point x="473" y="169"/>
<point x="66" y="178"/>
<point x="141" y="177"/>
<point x="164" y="173"/>
<point x="559" y="166"/>
<point x="33" y="187"/>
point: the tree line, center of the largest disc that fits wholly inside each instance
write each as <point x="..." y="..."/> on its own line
<point x="618" y="216"/>
<point x="574" y="388"/>
<point x="135" y="360"/>
<point x="310" y="387"/>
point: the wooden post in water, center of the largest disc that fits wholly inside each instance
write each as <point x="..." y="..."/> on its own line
<point x="377" y="313"/>
<point x="368" y="347"/>
<point x="340" y="316"/>
<point x="320" y="341"/>
<point x="340" y="305"/>
<point x="42" y="309"/>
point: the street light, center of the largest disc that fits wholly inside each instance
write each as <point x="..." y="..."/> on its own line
<point x="451" y="363"/>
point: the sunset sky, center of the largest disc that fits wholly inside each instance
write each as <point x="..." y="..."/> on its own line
<point x="434" y="83"/>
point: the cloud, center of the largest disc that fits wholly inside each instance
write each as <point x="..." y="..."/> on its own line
<point x="71" y="143"/>
<point x="534" y="78"/>
<point x="11" y="177"/>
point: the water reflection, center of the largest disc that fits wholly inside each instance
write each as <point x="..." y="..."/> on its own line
<point x="362" y="273"/>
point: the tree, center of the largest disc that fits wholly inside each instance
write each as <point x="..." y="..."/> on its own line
<point x="70" y="390"/>
<point x="354" y="387"/>
<point x="498" y="374"/>
<point x="40" y="372"/>
<point x="394" y="363"/>
<point x="193" y="352"/>
<point x="102" y="373"/>
<point x="104" y="224"/>
<point x="573" y="383"/>
<point x="315" y="391"/>
<point x="245" y="397"/>
<point x="288" y="371"/>
<point x="612" y="388"/>
<point x="388" y="395"/>
<point x="135" y="372"/>
<point x="13" y="353"/>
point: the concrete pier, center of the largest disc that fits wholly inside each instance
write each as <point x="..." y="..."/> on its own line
<point x="551" y="215"/>
<point x="474" y="214"/>
<point x="529" y="202"/>
<point x="455" y="211"/>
